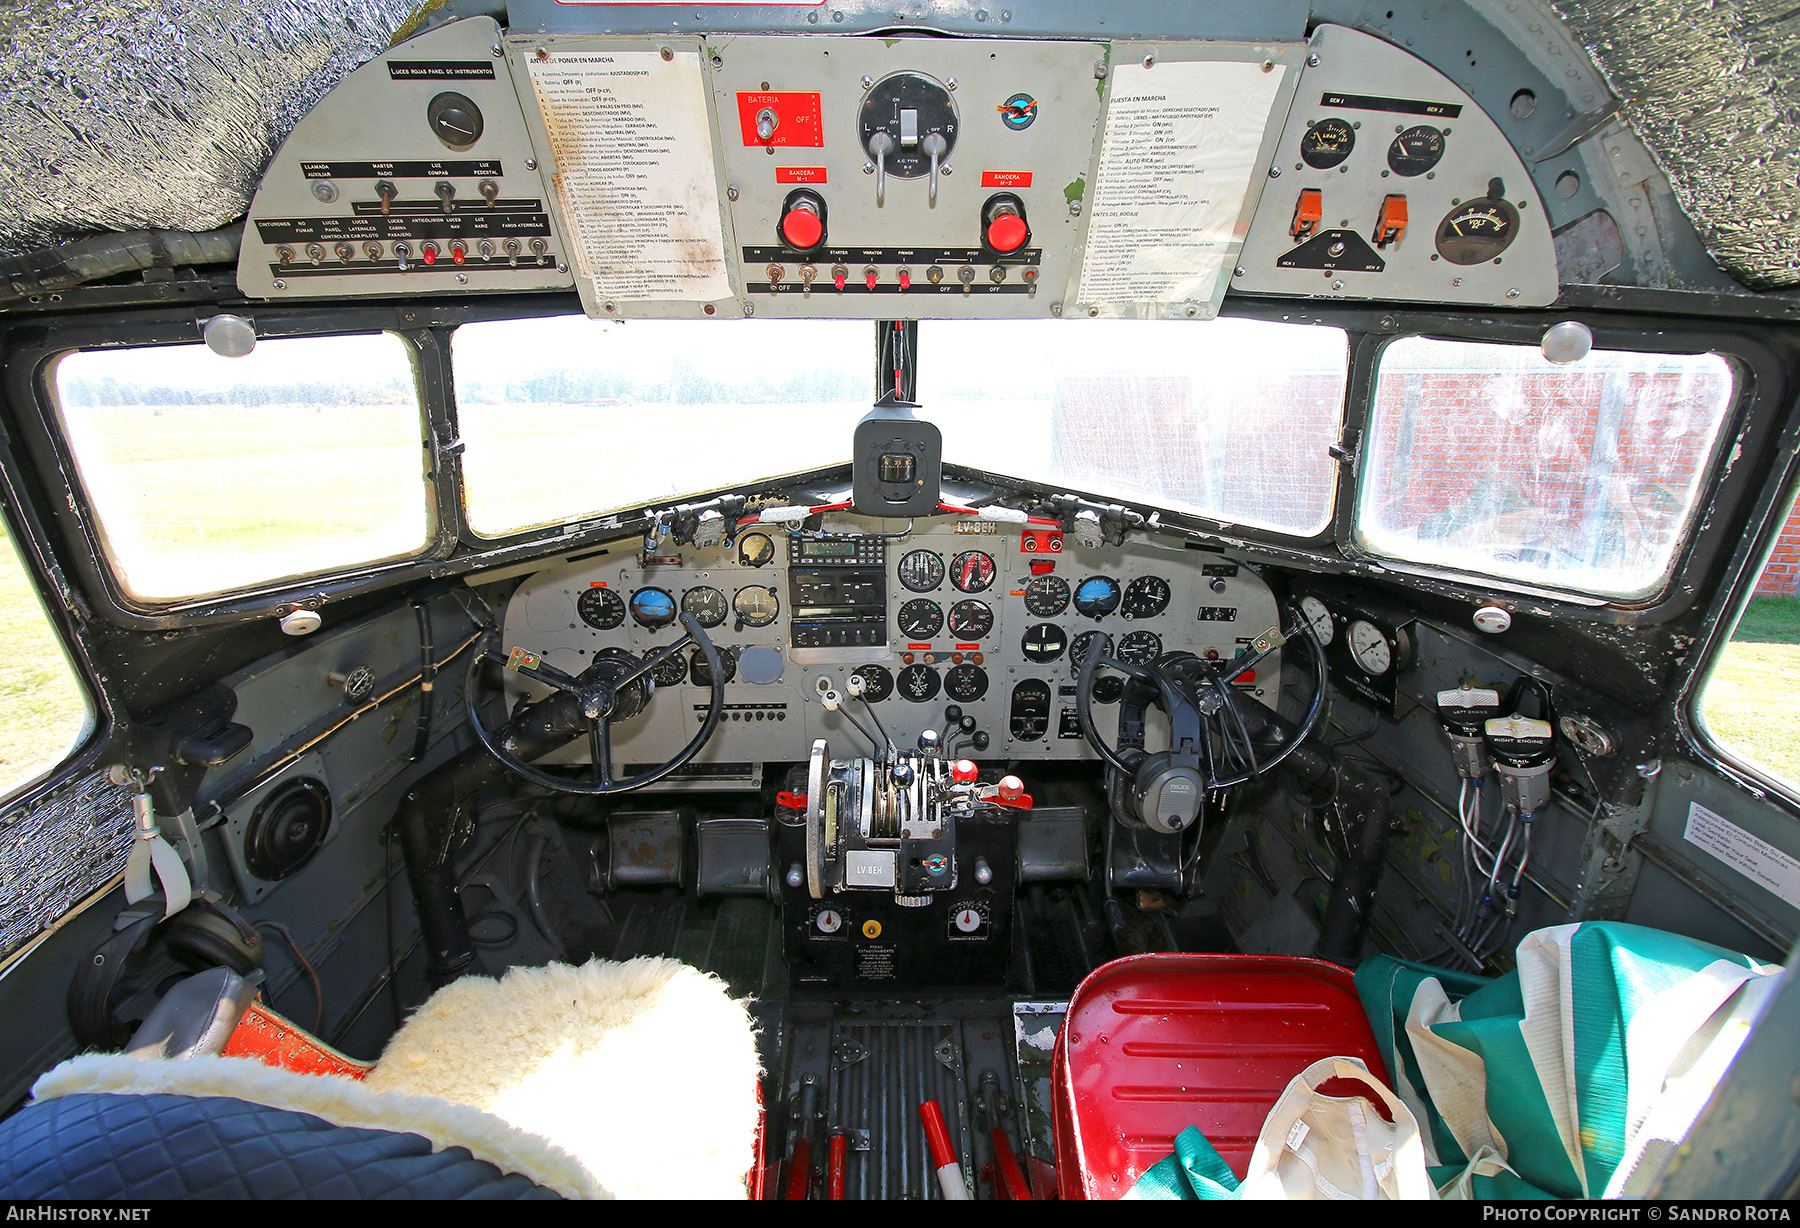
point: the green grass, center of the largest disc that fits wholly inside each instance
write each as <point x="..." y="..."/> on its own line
<point x="41" y="706"/>
<point x="1752" y="702"/>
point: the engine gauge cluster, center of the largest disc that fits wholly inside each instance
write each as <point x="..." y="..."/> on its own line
<point x="1367" y="645"/>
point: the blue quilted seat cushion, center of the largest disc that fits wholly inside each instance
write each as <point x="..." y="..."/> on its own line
<point x="99" y="1146"/>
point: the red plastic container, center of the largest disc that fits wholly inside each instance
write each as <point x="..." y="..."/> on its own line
<point x="1153" y="1044"/>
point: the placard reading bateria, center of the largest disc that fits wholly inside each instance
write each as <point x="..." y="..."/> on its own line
<point x="634" y="173"/>
<point x="1180" y="146"/>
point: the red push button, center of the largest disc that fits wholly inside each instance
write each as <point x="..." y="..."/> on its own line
<point x="963" y="771"/>
<point x="1006" y="233"/>
<point x="802" y="228"/>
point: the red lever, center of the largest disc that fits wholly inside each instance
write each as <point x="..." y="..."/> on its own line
<point x="791" y="801"/>
<point x="870" y="278"/>
<point x="963" y="771"/>
<point x="905" y="280"/>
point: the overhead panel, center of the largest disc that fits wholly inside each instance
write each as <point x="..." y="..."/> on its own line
<point x="414" y="175"/>
<point x="1389" y="182"/>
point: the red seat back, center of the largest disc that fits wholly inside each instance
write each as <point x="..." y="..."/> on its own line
<point x="1153" y="1044"/>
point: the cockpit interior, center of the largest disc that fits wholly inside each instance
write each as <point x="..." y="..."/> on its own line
<point x="943" y="526"/>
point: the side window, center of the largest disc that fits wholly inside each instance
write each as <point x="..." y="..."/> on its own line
<point x="1583" y="476"/>
<point x="44" y="709"/>
<point x="209" y="474"/>
<point x="1751" y="701"/>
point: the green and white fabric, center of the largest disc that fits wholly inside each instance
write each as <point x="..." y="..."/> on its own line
<point x="1576" y="1074"/>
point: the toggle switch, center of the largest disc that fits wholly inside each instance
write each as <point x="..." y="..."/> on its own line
<point x="766" y="123"/>
<point x="490" y="191"/>
<point x="1390" y="222"/>
<point x="839" y="275"/>
<point x="871" y="277"/>
<point x="905" y="279"/>
<point x="1307" y="212"/>
<point x="459" y="251"/>
<point x="428" y="253"/>
<point x="402" y="253"/>
<point x="385" y="189"/>
<point x="446" y="193"/>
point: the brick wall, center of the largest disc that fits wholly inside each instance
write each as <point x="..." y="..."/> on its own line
<point x="1781" y="578"/>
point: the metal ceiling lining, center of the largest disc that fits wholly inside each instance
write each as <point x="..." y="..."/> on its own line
<point x="1713" y="89"/>
<point x="121" y="115"/>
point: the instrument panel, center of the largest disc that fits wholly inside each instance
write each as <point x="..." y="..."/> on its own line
<point x="850" y="177"/>
<point x="931" y="619"/>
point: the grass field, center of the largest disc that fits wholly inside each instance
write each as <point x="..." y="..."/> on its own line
<point x="41" y="708"/>
<point x="1752" y="703"/>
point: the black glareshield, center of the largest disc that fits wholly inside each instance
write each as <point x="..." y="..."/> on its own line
<point x="896" y="463"/>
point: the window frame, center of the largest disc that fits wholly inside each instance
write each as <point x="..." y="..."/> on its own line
<point x="30" y="388"/>
<point x="1724" y="476"/>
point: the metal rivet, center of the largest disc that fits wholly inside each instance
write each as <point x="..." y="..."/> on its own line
<point x="279" y="285"/>
<point x="731" y="193"/>
<point x="666" y="54"/>
<point x="531" y="164"/>
<point x="494" y="51"/>
<point x="541" y="54"/>
<point x="1312" y="61"/>
<point x="708" y="309"/>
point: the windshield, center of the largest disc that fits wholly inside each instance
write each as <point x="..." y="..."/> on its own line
<point x="1227" y="419"/>
<point x="568" y="417"/>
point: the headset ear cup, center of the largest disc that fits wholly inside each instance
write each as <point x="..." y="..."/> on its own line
<point x="207" y="935"/>
<point x="99" y="975"/>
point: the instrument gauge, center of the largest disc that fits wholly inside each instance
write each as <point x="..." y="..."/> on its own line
<point x="706" y="604"/>
<point x="755" y="549"/>
<point x="1315" y="613"/>
<point x="1108" y="689"/>
<point x="1140" y="647"/>
<point x="920" y="619"/>
<point x="1327" y="143"/>
<point x="878" y="684"/>
<point x="652" y="607"/>
<point x="970" y="620"/>
<point x="1046" y="596"/>
<point x="1097" y="596"/>
<point x="918" y="684"/>
<point x="1477" y="231"/>
<point x="922" y="570"/>
<point x="671" y="670"/>
<point x="1369" y="648"/>
<point x="701" y="674"/>
<point x="972" y="571"/>
<point x="1415" y="151"/>
<point x="1078" y="651"/>
<point x="756" y="605"/>
<point x="965" y="683"/>
<point x="1043" y="642"/>
<point x="1145" y="597"/>
<point x="600" y="608"/>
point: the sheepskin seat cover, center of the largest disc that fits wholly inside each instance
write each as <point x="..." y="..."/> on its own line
<point x="644" y="1071"/>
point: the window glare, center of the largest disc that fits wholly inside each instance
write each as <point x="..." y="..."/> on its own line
<point x="209" y="474"/>
<point x="1228" y="419"/>
<point x="1490" y="459"/>
<point x="568" y="417"/>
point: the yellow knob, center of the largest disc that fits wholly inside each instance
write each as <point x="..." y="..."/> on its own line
<point x="871" y="929"/>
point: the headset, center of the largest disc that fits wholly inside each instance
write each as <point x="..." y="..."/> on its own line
<point x="205" y="934"/>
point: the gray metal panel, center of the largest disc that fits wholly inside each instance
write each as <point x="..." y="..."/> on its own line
<point x="1475" y="152"/>
<point x="1222" y="19"/>
<point x="541" y="616"/>
<point x="339" y="129"/>
<point x="1056" y="150"/>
